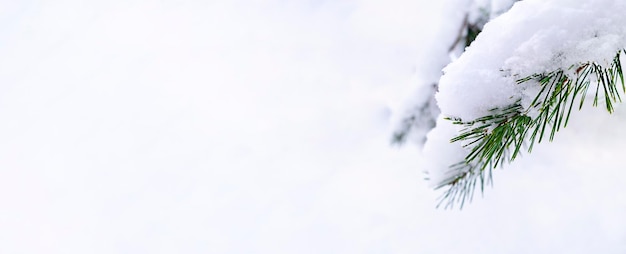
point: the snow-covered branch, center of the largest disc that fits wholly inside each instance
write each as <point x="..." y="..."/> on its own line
<point x="518" y="82"/>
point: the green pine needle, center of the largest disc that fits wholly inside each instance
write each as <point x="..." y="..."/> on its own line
<point x="499" y="137"/>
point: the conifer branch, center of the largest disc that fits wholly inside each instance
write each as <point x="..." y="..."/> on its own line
<point x="499" y="137"/>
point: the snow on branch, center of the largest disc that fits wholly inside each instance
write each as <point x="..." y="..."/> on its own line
<point x="518" y="83"/>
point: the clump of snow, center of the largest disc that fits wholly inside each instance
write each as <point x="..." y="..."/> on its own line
<point x="413" y="120"/>
<point x="535" y="36"/>
<point x="440" y="152"/>
<point x="417" y="116"/>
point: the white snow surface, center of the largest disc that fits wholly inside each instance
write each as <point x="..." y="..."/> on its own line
<point x="260" y="127"/>
<point x="535" y="36"/>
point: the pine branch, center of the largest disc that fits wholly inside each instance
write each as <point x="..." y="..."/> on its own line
<point x="499" y="137"/>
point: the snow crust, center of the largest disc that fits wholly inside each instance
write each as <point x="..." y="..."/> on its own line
<point x="533" y="37"/>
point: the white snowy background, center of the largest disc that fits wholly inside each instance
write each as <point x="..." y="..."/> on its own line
<point x="179" y="126"/>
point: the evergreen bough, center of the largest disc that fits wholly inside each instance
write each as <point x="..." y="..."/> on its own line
<point x="501" y="136"/>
